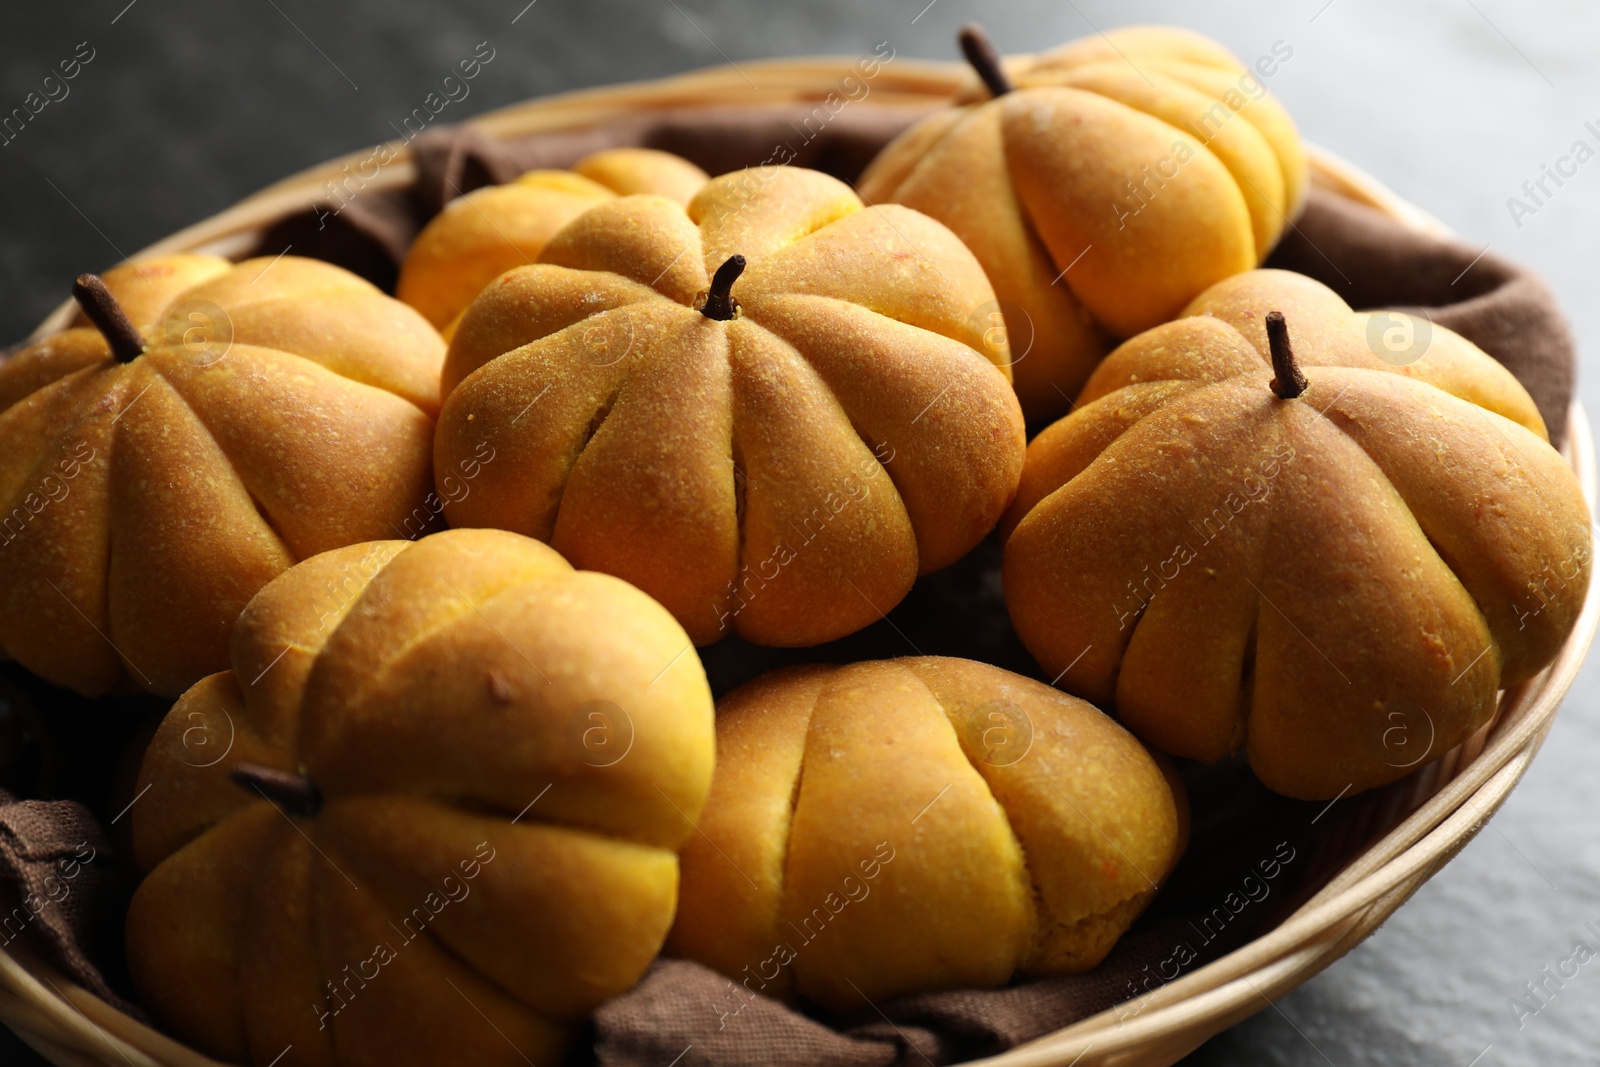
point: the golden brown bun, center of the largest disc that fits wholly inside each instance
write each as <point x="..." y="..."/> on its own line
<point x="909" y="825"/>
<point x="143" y="504"/>
<point x="1338" y="583"/>
<point x="1122" y="175"/>
<point x="509" y="754"/>
<point x="785" y="474"/>
<point x="481" y="235"/>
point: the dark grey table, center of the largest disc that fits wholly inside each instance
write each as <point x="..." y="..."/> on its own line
<point x="185" y="107"/>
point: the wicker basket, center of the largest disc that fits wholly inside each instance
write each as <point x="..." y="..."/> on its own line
<point x="1443" y="806"/>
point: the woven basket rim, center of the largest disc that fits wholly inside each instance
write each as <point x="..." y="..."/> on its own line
<point x="1453" y="797"/>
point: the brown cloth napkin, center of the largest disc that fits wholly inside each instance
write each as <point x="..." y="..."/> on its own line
<point x="1253" y="856"/>
<point x="62" y="896"/>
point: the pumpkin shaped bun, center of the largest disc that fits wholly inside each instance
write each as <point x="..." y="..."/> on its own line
<point x="1102" y="186"/>
<point x="770" y="410"/>
<point x="215" y="424"/>
<point x="909" y="825"/>
<point x="1253" y="533"/>
<point x="444" y="783"/>
<point x="481" y="235"/>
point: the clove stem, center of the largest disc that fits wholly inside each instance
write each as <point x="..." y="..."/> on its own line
<point x="1287" y="382"/>
<point x="295" y="794"/>
<point x="102" y="309"/>
<point x="984" y="58"/>
<point x="720" y="304"/>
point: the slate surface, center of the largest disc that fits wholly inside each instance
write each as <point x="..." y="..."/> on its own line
<point x="185" y="107"/>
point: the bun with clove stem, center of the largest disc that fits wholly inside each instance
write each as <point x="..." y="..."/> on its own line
<point x="1253" y="533"/>
<point x="445" y="782"/>
<point x="771" y="410"/>
<point x="1102" y="185"/>
<point x="201" y="427"/>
